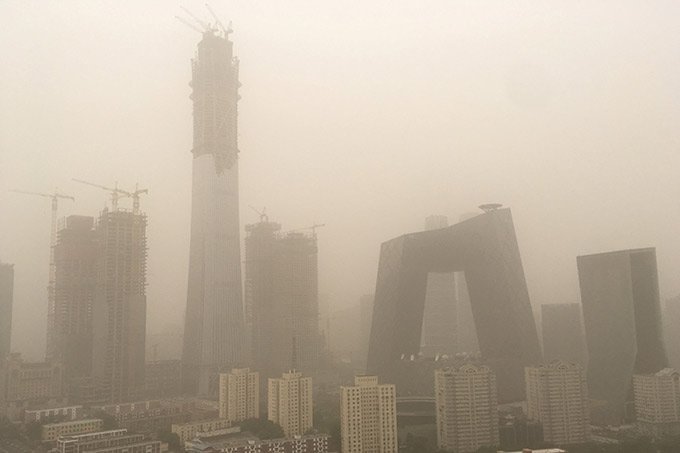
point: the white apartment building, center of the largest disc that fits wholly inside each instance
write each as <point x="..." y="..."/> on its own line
<point x="467" y="408"/>
<point x="290" y="403"/>
<point x="239" y="395"/>
<point x="557" y="396"/>
<point x="368" y="417"/>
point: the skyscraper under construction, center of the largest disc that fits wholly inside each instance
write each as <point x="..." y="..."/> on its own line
<point x="119" y="305"/>
<point x="214" y="323"/>
<point x="282" y="299"/>
<point x="75" y="256"/>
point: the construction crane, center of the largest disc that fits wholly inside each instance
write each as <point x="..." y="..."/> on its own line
<point x="55" y="196"/>
<point x="262" y="213"/>
<point x="117" y="193"/>
<point x="202" y="26"/>
<point x="313" y="228"/>
<point x="218" y="22"/>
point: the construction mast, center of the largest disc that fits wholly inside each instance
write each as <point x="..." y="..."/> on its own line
<point x="117" y="194"/>
<point x="54" y="196"/>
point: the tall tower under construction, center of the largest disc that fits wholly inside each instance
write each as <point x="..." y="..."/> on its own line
<point x="75" y="256"/>
<point x="214" y="331"/>
<point x="119" y="305"/>
<point x="6" y="298"/>
<point x="282" y="299"/>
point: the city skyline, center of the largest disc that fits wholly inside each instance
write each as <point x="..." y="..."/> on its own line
<point x="130" y="110"/>
<point x="197" y="324"/>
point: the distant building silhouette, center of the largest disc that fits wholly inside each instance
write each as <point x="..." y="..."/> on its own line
<point x="620" y="297"/>
<point x="563" y="337"/>
<point x="119" y="307"/>
<point x="214" y="332"/>
<point x="439" y="315"/>
<point x="282" y="308"/>
<point x="671" y="330"/>
<point x="6" y="300"/>
<point x="485" y="247"/>
<point x="27" y="384"/>
<point x="75" y="256"/>
<point x="466" y="332"/>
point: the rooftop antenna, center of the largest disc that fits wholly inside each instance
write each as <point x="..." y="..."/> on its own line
<point x="490" y="207"/>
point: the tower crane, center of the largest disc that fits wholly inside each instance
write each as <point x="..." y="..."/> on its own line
<point x="262" y="213"/>
<point x="117" y="193"/>
<point x="218" y="22"/>
<point x="54" y="196"/>
<point x="313" y="228"/>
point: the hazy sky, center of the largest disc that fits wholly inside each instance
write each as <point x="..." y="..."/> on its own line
<point x="365" y="115"/>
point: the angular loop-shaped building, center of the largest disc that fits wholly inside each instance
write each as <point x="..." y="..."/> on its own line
<point x="485" y="249"/>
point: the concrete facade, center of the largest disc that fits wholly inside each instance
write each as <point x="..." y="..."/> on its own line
<point x="467" y="408"/>
<point x="657" y="403"/>
<point x="290" y="403"/>
<point x="557" y="396"/>
<point x="368" y="417"/>
<point x="239" y="397"/>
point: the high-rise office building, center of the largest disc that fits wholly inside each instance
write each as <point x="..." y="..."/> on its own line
<point x="622" y="316"/>
<point x="657" y="403"/>
<point x="466" y="331"/>
<point x="6" y="300"/>
<point x="562" y="331"/>
<point x="239" y="397"/>
<point x="119" y="306"/>
<point x="365" y="316"/>
<point x="290" y="403"/>
<point x="214" y="332"/>
<point x="368" y="417"/>
<point x="485" y="248"/>
<point x="75" y="256"/>
<point x="671" y="330"/>
<point x="557" y="396"/>
<point x="467" y="408"/>
<point x="282" y="299"/>
<point x="439" y="315"/>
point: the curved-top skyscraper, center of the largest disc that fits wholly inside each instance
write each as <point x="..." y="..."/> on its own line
<point x="214" y="324"/>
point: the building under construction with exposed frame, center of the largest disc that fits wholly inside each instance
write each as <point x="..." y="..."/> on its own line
<point x="214" y="330"/>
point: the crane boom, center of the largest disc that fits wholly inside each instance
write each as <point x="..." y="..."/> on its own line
<point x="115" y="192"/>
<point x="218" y="22"/>
<point x="189" y="24"/>
<point x="198" y="21"/>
